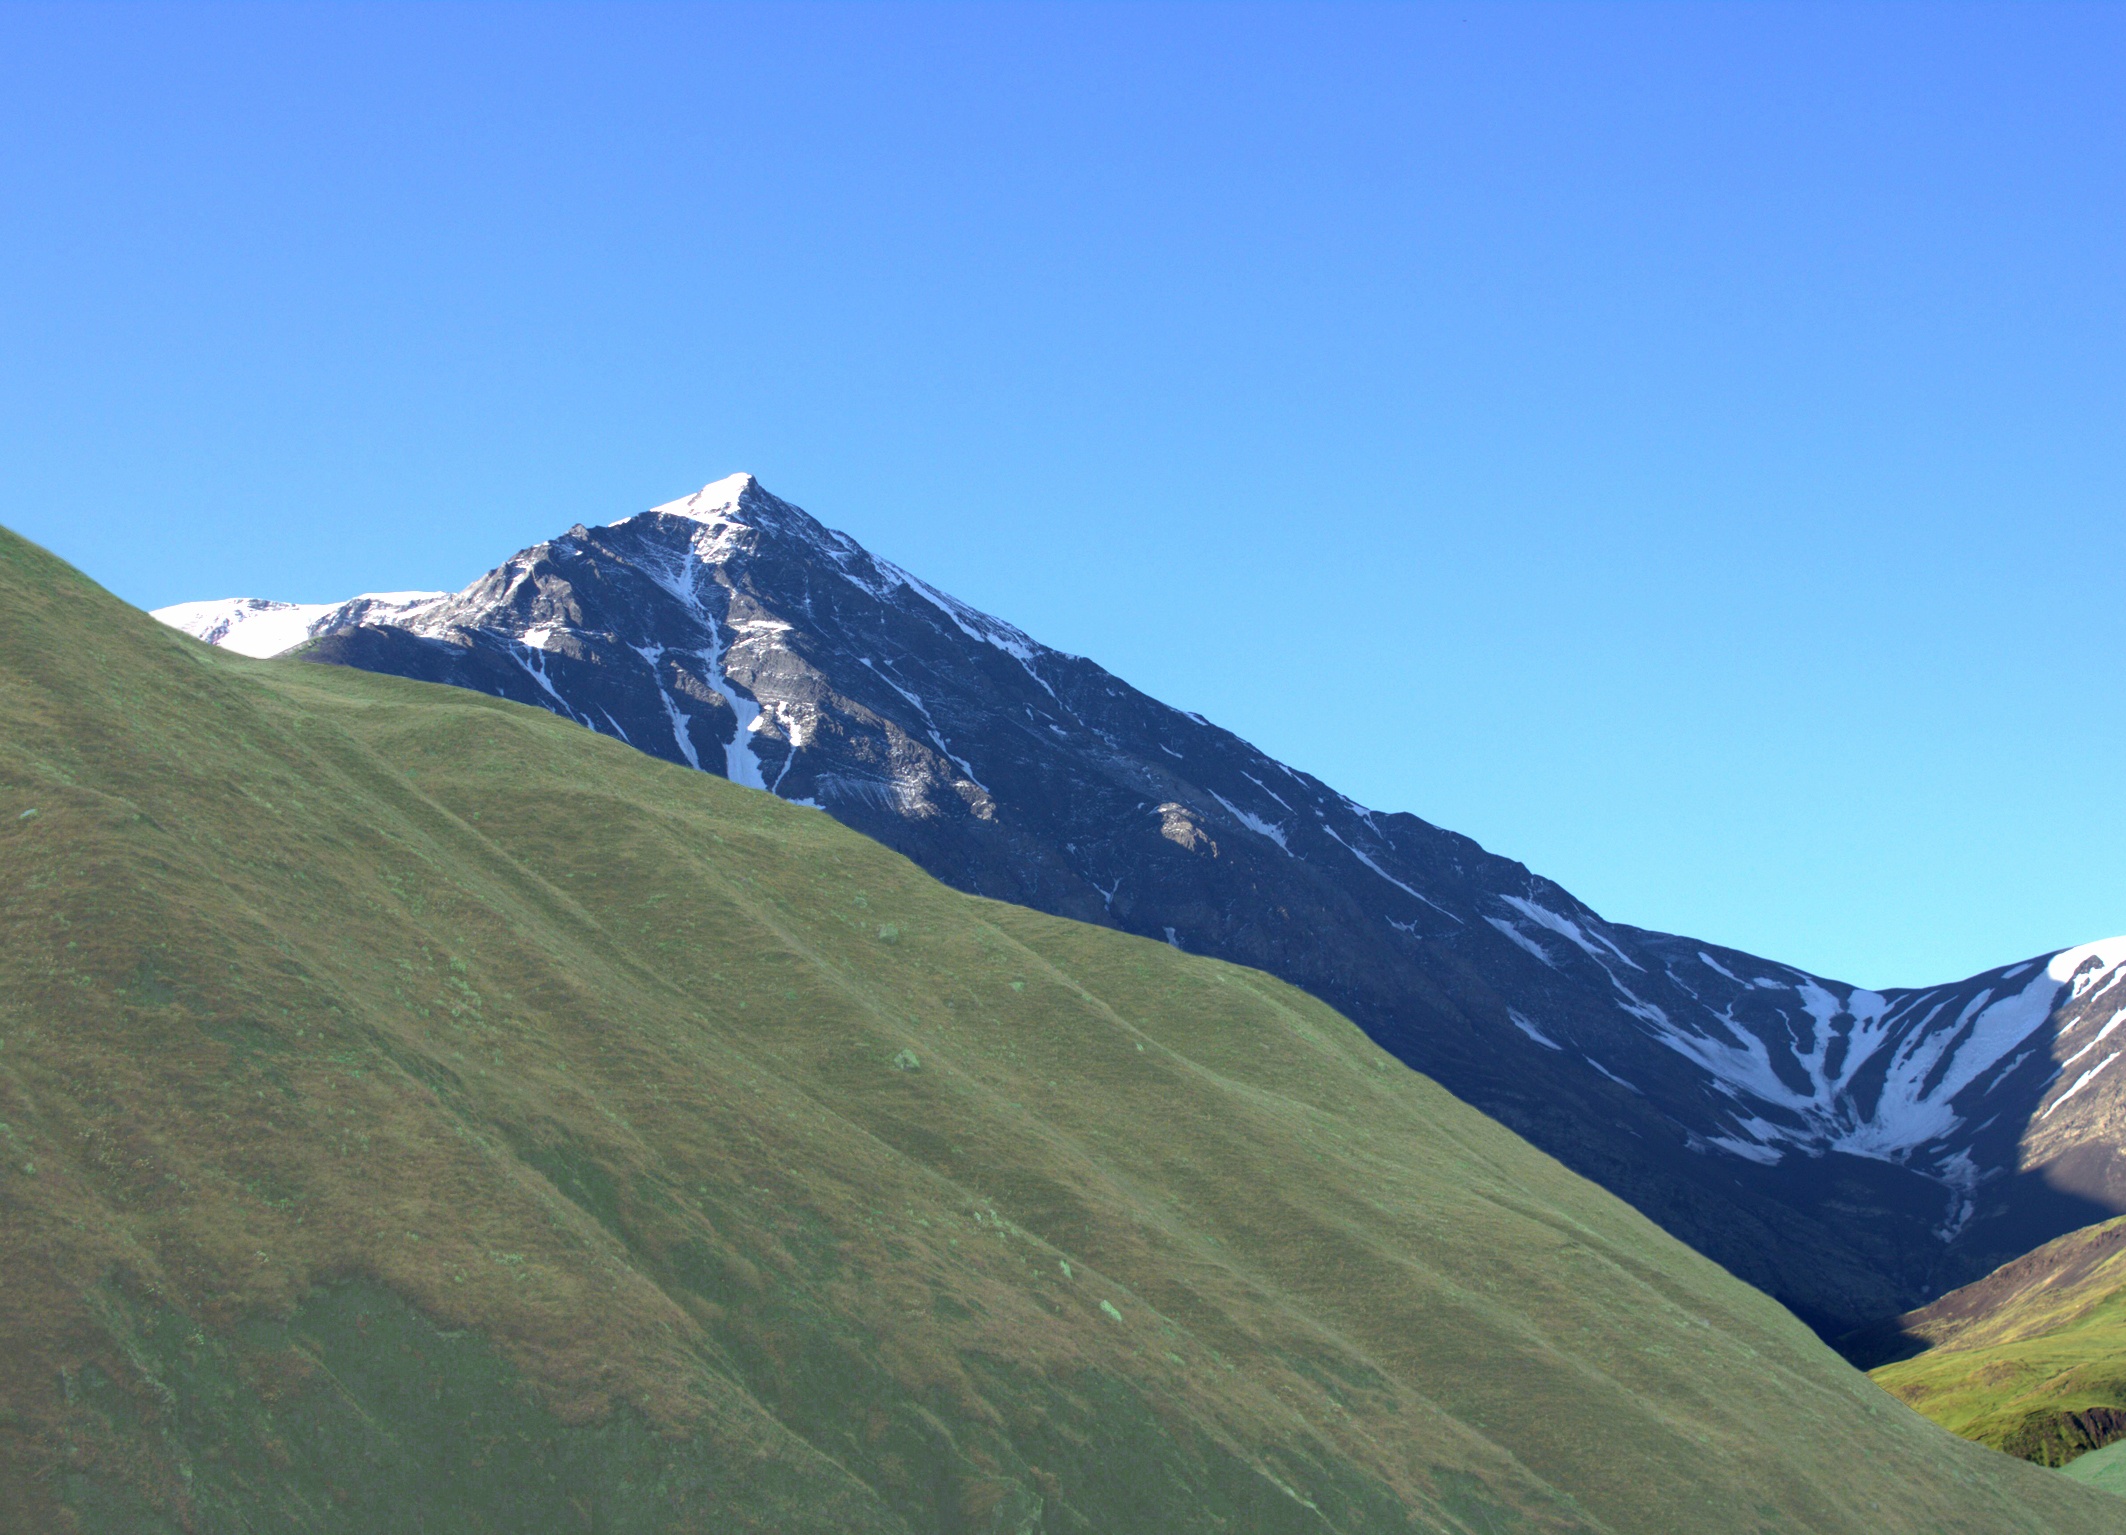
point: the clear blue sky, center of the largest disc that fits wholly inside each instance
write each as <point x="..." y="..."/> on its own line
<point x="1680" y="447"/>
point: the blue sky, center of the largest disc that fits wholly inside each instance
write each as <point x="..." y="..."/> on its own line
<point x="1680" y="447"/>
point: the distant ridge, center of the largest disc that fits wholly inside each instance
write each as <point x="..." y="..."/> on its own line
<point x="1852" y="1152"/>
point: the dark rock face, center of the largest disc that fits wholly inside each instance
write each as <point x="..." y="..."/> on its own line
<point x="1850" y="1152"/>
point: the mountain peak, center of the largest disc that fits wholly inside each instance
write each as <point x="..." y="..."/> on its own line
<point x="718" y="498"/>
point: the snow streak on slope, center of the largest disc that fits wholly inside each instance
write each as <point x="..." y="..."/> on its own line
<point x="1891" y="1077"/>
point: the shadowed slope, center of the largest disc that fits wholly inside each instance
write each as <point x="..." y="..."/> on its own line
<point x="420" y="1111"/>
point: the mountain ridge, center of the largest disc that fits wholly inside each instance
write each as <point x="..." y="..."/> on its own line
<point x="1853" y="1152"/>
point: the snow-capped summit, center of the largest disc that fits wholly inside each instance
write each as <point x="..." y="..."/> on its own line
<point x="1852" y="1152"/>
<point x="718" y="498"/>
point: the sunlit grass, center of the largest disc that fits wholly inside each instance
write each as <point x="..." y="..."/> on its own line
<point x="2042" y="1374"/>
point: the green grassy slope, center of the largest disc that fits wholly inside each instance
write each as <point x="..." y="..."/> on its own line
<point x="419" y="1113"/>
<point x="2105" y="1468"/>
<point x="2032" y="1358"/>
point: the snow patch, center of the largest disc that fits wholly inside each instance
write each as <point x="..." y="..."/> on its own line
<point x="2080" y="1082"/>
<point x="2101" y="1035"/>
<point x="741" y="765"/>
<point x="716" y="501"/>
<point x="1719" y="969"/>
<point x="1258" y="825"/>
<point x="1570" y="930"/>
<point x="977" y="625"/>
<point x="2084" y="965"/>
<point x="532" y="658"/>
<point x="1391" y="879"/>
<point x="653" y="658"/>
<point x="1749" y="1151"/>
<point x="1598" y="1066"/>
<point x="1533" y="1032"/>
<point x="1932" y="1056"/>
<point x="1523" y="940"/>
<point x="937" y="739"/>
<point x="261" y="628"/>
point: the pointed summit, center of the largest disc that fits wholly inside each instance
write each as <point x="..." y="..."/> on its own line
<point x="718" y="498"/>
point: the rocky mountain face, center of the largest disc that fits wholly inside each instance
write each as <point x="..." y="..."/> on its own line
<point x="1851" y="1152"/>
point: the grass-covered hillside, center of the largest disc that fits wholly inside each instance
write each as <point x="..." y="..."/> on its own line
<point x="2104" y="1468"/>
<point x="2032" y="1358"/>
<point x="423" y="1114"/>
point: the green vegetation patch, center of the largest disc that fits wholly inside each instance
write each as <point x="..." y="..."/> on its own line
<point x="2031" y="1359"/>
<point x="357" y="1413"/>
<point x="2105" y="1468"/>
